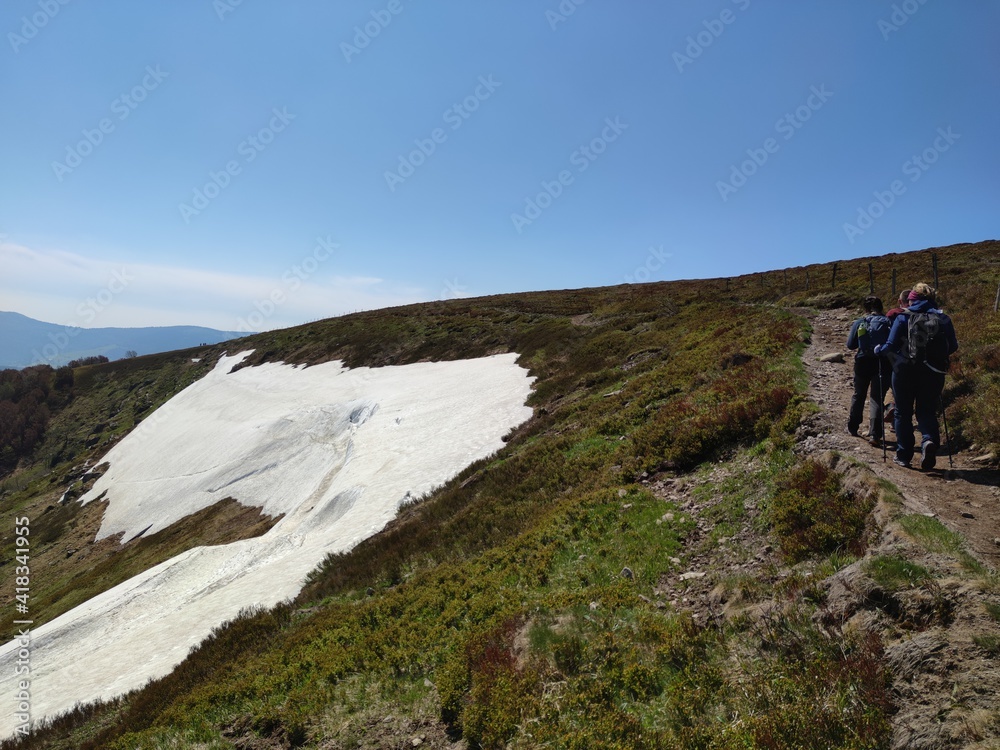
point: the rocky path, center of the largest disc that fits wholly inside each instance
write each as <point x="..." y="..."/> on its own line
<point x="965" y="498"/>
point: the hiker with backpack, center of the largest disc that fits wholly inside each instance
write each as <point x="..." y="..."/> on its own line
<point x="871" y="371"/>
<point x="923" y="339"/>
<point x="904" y="301"/>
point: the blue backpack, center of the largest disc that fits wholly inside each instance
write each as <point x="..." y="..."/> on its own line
<point x="874" y="331"/>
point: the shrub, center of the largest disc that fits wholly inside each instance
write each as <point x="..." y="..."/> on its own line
<point x="812" y="514"/>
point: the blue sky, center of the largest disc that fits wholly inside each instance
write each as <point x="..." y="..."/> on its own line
<point x="258" y="164"/>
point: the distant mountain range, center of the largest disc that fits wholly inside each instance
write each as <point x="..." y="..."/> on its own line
<point x="25" y="341"/>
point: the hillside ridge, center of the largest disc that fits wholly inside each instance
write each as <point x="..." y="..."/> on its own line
<point x="667" y="420"/>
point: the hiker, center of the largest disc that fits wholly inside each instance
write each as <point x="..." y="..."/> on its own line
<point x="904" y="300"/>
<point x="871" y="371"/>
<point x="922" y="338"/>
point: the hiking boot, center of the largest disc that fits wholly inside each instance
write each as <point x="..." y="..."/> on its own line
<point x="853" y="431"/>
<point x="900" y="462"/>
<point x="928" y="455"/>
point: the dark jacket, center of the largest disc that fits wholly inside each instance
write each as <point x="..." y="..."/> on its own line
<point x="900" y="327"/>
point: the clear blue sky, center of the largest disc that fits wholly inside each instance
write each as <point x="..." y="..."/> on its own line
<point x="612" y="143"/>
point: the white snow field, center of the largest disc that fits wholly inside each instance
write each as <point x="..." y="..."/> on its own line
<point x="336" y="450"/>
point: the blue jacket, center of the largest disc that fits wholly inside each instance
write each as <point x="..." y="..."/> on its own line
<point x="900" y="327"/>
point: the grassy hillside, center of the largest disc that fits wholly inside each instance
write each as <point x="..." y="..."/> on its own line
<point x="536" y="600"/>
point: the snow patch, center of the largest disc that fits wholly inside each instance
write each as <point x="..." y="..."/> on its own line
<point x="337" y="451"/>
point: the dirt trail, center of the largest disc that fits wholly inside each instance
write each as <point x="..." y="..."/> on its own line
<point x="965" y="498"/>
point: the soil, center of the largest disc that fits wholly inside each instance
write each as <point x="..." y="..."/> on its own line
<point x="941" y="643"/>
<point x="962" y="493"/>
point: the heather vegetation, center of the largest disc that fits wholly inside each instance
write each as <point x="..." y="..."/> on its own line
<point x="518" y="605"/>
<point x="27" y="399"/>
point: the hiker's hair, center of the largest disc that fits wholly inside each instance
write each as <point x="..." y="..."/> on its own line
<point x="924" y="291"/>
<point x="873" y="304"/>
<point x="904" y="298"/>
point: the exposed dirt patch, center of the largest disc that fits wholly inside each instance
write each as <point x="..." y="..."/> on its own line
<point x="965" y="498"/>
<point x="940" y="631"/>
<point x="942" y="637"/>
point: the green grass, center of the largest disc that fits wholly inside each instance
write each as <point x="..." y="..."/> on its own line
<point x="934" y="536"/>
<point x="988" y="643"/>
<point x="895" y="573"/>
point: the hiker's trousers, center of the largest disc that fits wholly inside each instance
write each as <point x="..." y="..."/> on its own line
<point x="868" y="384"/>
<point x="918" y="392"/>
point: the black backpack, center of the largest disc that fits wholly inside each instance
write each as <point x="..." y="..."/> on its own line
<point x="925" y="340"/>
<point x="876" y="333"/>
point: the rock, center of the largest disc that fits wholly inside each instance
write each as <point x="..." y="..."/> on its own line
<point x="835" y="357"/>
<point x="675" y="560"/>
<point x="967" y="515"/>
<point x="593" y="606"/>
<point x="987" y="458"/>
<point x="644" y="598"/>
<point x="627" y="573"/>
<point x="692" y="574"/>
<point x="622" y="492"/>
<point x="667" y="517"/>
<point x="626" y="506"/>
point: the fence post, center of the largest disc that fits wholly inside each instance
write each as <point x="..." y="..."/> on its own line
<point x="871" y="280"/>
<point x="996" y="302"/>
<point x="807" y="281"/>
<point x="894" y="283"/>
<point x="934" y="262"/>
<point x="833" y="285"/>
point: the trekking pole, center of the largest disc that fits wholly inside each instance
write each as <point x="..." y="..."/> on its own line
<point x="881" y="403"/>
<point x="944" y="415"/>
